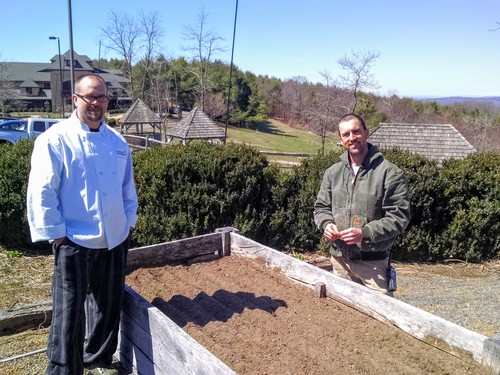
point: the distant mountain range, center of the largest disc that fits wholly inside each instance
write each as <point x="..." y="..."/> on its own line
<point x="461" y="99"/>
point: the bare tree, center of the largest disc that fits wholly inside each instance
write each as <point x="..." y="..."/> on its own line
<point x="330" y="103"/>
<point x="215" y="105"/>
<point x="321" y="113"/>
<point x="496" y="28"/>
<point x="480" y="121"/>
<point x="397" y="109"/>
<point x="293" y="99"/>
<point x="158" y="86"/>
<point x="121" y="34"/>
<point x="358" y="77"/>
<point x="6" y="86"/>
<point x="203" y="44"/>
<point x="151" y="35"/>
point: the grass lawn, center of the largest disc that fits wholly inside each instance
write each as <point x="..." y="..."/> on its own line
<point x="274" y="135"/>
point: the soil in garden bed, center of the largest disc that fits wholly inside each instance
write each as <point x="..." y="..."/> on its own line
<point x="259" y="322"/>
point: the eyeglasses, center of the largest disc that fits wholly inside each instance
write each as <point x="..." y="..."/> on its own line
<point x="90" y="99"/>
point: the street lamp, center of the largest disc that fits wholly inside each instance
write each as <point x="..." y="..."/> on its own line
<point x="60" y="72"/>
<point x="71" y="54"/>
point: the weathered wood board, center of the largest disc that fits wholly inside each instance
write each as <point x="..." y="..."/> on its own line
<point x="25" y="317"/>
<point x="209" y="245"/>
<point x="150" y="343"/>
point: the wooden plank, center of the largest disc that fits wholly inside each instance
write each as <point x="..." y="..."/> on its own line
<point x="226" y="240"/>
<point x="147" y="350"/>
<point x="491" y="353"/>
<point x="172" y="349"/>
<point x="175" y="251"/>
<point x="418" y="323"/>
<point x="25" y="317"/>
<point x="133" y="360"/>
<point x="226" y="245"/>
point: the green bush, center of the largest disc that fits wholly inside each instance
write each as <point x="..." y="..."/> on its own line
<point x="472" y="188"/>
<point x="429" y="207"/>
<point x="477" y="176"/>
<point x="434" y="232"/>
<point x="292" y="225"/>
<point x="191" y="190"/>
<point x="474" y="233"/>
<point x="14" y="170"/>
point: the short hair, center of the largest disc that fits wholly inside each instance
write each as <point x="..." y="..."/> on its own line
<point x="352" y="116"/>
<point x="90" y="75"/>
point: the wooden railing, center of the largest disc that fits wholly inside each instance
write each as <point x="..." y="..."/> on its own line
<point x="138" y="142"/>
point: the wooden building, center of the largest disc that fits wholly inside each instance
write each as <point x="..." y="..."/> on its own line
<point x="436" y="142"/>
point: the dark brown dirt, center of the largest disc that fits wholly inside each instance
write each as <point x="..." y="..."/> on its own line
<point x="259" y="322"/>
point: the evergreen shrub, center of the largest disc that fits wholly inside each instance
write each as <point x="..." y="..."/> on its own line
<point x="191" y="190"/>
<point x="14" y="171"/>
<point x="472" y="188"/>
<point x="292" y="226"/>
<point x="429" y="207"/>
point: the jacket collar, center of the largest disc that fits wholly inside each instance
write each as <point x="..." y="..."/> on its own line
<point x="372" y="155"/>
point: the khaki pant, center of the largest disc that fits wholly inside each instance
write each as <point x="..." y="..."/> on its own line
<point x="372" y="274"/>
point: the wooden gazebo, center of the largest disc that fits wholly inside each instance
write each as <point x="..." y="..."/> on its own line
<point x="141" y="116"/>
<point x="196" y="125"/>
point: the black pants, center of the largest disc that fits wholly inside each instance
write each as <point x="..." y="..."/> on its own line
<point x="86" y="283"/>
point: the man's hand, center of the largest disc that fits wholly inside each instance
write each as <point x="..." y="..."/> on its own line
<point x="331" y="233"/>
<point x="351" y="236"/>
<point x="58" y="241"/>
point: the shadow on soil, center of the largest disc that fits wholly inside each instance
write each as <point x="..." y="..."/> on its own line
<point x="221" y="306"/>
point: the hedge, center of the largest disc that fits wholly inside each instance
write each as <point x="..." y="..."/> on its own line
<point x="190" y="190"/>
<point x="14" y="170"/>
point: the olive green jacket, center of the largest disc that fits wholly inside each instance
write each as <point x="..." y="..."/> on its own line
<point x="376" y="200"/>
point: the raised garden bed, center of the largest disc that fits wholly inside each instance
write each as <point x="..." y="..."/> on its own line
<point x="245" y="314"/>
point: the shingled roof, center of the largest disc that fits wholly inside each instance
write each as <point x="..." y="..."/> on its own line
<point x="140" y="113"/>
<point x="196" y="125"/>
<point x="433" y="141"/>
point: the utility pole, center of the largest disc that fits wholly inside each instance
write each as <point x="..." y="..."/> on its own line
<point x="60" y="72"/>
<point x="230" y="72"/>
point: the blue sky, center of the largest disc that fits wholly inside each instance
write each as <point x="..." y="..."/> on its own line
<point x="427" y="47"/>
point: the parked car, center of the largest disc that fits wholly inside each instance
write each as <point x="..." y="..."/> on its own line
<point x="12" y="131"/>
<point x="5" y="118"/>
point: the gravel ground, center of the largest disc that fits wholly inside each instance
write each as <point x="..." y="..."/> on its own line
<point x="461" y="293"/>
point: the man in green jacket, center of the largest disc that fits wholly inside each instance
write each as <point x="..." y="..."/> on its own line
<point x="361" y="208"/>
